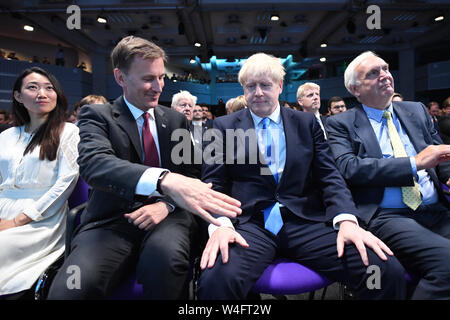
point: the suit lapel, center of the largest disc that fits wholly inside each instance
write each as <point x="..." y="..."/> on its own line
<point x="291" y="140"/>
<point x="162" y="127"/>
<point x="411" y="125"/>
<point x="126" y="121"/>
<point x="364" y="131"/>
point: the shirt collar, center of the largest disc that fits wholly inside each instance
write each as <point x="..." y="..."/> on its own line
<point x="275" y="116"/>
<point x="376" y="114"/>
<point x="136" y="112"/>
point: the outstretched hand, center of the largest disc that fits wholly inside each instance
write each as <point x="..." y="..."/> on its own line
<point x="199" y="197"/>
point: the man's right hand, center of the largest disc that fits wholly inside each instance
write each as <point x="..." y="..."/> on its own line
<point x="199" y="197"/>
<point x="219" y="240"/>
<point x="432" y="155"/>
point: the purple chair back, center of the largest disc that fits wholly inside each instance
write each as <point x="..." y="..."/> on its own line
<point x="446" y="189"/>
<point x="79" y="194"/>
<point x="288" y="277"/>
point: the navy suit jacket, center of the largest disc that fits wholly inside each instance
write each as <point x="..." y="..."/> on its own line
<point x="359" y="158"/>
<point x="311" y="187"/>
<point x="110" y="156"/>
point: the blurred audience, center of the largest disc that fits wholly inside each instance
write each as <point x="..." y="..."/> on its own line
<point x="89" y="99"/>
<point x="444" y="122"/>
<point x="238" y="103"/>
<point x="336" y="105"/>
<point x="435" y="113"/>
<point x="397" y="97"/>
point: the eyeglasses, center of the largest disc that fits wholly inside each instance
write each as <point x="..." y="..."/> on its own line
<point x="198" y="110"/>
<point x="339" y="106"/>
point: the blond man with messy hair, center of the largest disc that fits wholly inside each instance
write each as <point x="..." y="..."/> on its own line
<point x="291" y="199"/>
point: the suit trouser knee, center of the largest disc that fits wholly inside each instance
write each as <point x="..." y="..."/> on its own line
<point x="100" y="259"/>
<point x="165" y="263"/>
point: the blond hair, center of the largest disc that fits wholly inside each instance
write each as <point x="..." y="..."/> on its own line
<point x="262" y="64"/>
<point x="308" y="85"/>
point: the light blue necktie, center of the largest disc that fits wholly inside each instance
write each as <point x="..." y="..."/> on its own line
<point x="272" y="215"/>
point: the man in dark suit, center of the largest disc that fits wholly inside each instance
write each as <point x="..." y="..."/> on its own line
<point x="293" y="199"/>
<point x="308" y="98"/>
<point x="137" y="213"/>
<point x="394" y="162"/>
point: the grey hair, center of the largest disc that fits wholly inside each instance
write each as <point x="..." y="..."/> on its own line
<point x="350" y="77"/>
<point x="183" y="94"/>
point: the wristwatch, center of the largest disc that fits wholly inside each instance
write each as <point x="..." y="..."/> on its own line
<point x="158" y="183"/>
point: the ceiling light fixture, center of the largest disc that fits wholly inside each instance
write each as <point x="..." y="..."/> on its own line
<point x="192" y="61"/>
<point x="323" y="59"/>
<point x="28" y="28"/>
<point x="439" y="18"/>
<point x="198" y="44"/>
<point x="323" y="45"/>
<point x="274" y="17"/>
<point x="101" y="19"/>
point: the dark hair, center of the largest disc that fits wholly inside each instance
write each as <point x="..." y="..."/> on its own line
<point x="48" y="134"/>
<point x="334" y="99"/>
<point x="396" y="94"/>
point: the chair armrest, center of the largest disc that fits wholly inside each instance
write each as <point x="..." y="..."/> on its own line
<point x="71" y="224"/>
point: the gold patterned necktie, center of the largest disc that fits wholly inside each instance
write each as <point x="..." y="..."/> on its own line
<point x="410" y="195"/>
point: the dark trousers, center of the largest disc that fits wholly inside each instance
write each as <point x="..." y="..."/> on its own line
<point x="106" y="255"/>
<point x="421" y="242"/>
<point x="311" y="244"/>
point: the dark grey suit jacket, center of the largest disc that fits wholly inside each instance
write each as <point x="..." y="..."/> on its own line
<point x="359" y="158"/>
<point x="110" y="156"/>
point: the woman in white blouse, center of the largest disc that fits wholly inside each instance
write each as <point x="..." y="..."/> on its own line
<point x="38" y="171"/>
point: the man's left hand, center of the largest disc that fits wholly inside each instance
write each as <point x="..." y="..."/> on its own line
<point x="149" y="215"/>
<point x="350" y="232"/>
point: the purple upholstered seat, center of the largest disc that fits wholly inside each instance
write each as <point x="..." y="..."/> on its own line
<point x="288" y="277"/>
<point x="128" y="290"/>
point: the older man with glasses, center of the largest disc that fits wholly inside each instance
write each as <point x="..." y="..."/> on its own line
<point x="184" y="103"/>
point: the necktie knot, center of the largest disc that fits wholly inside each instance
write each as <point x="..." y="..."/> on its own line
<point x="265" y="123"/>
<point x="387" y="115"/>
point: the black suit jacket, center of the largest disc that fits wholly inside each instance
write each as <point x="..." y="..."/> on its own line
<point x="110" y="156"/>
<point x="359" y="158"/>
<point x="311" y="186"/>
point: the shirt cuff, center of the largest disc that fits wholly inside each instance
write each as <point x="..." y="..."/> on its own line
<point x="224" y="222"/>
<point x="412" y="160"/>
<point x="171" y="206"/>
<point x="146" y="185"/>
<point x="341" y="217"/>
